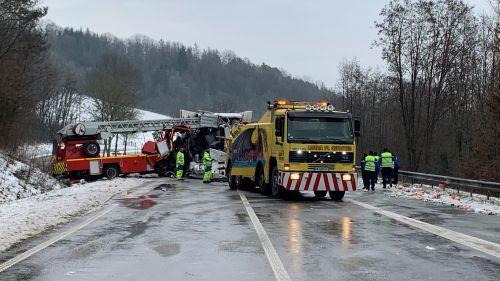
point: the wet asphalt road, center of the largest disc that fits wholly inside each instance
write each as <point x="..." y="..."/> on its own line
<point x="192" y="231"/>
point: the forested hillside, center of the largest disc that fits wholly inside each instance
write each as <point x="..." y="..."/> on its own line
<point x="175" y="76"/>
<point x="436" y="106"/>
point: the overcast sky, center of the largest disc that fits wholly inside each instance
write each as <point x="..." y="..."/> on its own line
<point x="305" y="38"/>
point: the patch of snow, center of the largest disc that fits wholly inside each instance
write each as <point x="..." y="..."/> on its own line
<point x="477" y="204"/>
<point x="86" y="107"/>
<point x="26" y="217"/>
<point x="82" y="110"/>
<point x="19" y="180"/>
<point x="30" y="151"/>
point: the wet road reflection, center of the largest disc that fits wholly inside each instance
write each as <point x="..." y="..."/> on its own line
<point x="295" y="237"/>
<point x="141" y="202"/>
<point x="346" y="233"/>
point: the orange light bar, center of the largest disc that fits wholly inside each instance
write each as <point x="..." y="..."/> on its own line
<point x="281" y="102"/>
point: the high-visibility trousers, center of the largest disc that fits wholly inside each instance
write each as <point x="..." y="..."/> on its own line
<point x="180" y="171"/>
<point x="207" y="175"/>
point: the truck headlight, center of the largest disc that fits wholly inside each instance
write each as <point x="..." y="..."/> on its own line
<point x="346" y="177"/>
<point x="294" y="176"/>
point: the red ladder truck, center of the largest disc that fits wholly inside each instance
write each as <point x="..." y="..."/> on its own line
<point x="76" y="151"/>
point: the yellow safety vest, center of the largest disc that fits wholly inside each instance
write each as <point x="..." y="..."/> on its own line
<point x="370" y="163"/>
<point x="180" y="159"/>
<point x="387" y="161"/>
<point x="207" y="160"/>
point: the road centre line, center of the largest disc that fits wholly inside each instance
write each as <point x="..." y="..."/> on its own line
<point x="481" y="245"/>
<point x="53" y="240"/>
<point x="28" y="253"/>
<point x="272" y="256"/>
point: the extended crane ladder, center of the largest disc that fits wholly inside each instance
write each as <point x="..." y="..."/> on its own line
<point x="134" y="126"/>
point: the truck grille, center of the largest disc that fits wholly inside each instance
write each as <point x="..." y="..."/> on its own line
<point x="317" y="157"/>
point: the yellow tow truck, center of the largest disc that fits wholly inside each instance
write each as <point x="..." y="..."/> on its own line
<point x="295" y="146"/>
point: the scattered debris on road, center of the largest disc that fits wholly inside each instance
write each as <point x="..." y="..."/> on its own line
<point x="447" y="196"/>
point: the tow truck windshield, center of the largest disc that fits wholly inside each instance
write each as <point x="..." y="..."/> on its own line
<point x="319" y="130"/>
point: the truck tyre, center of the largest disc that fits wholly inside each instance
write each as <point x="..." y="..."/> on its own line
<point x="320" y="193"/>
<point x="230" y="178"/>
<point x="111" y="171"/>
<point x="162" y="170"/>
<point x="91" y="149"/>
<point x="261" y="182"/>
<point x="337" y="195"/>
<point x="277" y="191"/>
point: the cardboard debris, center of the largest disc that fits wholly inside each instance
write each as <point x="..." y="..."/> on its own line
<point x="438" y="195"/>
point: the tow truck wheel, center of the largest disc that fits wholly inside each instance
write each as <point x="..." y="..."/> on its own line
<point x="91" y="149"/>
<point x="111" y="172"/>
<point x="320" y="193"/>
<point x="276" y="190"/>
<point x="337" y="195"/>
<point x="261" y="182"/>
<point x="231" y="179"/>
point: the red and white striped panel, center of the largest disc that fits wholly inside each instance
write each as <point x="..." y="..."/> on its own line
<point x="312" y="181"/>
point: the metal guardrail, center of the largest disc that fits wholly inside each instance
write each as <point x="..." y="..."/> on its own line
<point x="487" y="188"/>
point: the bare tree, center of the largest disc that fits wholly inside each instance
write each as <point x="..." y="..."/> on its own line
<point x="421" y="41"/>
<point x="113" y="85"/>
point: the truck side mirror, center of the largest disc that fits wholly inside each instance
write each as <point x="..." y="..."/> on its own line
<point x="357" y="127"/>
<point x="278" y="132"/>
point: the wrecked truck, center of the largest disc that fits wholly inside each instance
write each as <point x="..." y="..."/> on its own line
<point x="77" y="151"/>
<point x="195" y="141"/>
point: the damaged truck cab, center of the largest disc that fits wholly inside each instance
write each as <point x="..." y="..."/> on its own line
<point x="295" y="146"/>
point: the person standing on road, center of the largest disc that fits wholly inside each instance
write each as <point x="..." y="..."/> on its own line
<point x="387" y="164"/>
<point x="364" y="175"/>
<point x="370" y="169"/>
<point x="207" y="163"/>
<point x="377" y="165"/>
<point x="179" y="163"/>
<point x="396" y="169"/>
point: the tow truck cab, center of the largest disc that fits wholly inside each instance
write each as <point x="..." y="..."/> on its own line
<point x="296" y="146"/>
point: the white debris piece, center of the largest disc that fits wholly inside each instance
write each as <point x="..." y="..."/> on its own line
<point x="26" y="217"/>
<point x="447" y="196"/>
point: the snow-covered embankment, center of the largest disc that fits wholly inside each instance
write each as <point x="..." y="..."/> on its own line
<point x="31" y="201"/>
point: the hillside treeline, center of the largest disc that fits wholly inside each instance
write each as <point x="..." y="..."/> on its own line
<point x="44" y="69"/>
<point x="176" y="77"/>
<point x="437" y="106"/>
<point x="35" y="90"/>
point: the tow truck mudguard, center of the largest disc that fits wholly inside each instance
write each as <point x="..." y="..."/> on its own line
<point x="314" y="181"/>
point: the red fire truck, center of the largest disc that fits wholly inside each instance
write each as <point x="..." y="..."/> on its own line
<point x="76" y="151"/>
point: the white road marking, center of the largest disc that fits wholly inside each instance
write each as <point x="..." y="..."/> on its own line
<point x="53" y="240"/>
<point x="466" y="240"/>
<point x="279" y="270"/>
<point x="68" y="232"/>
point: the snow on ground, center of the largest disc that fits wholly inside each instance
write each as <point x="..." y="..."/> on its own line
<point x="26" y="217"/>
<point x="83" y="112"/>
<point x="30" y="151"/>
<point x="86" y="107"/>
<point x="19" y="180"/>
<point x="448" y="197"/>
